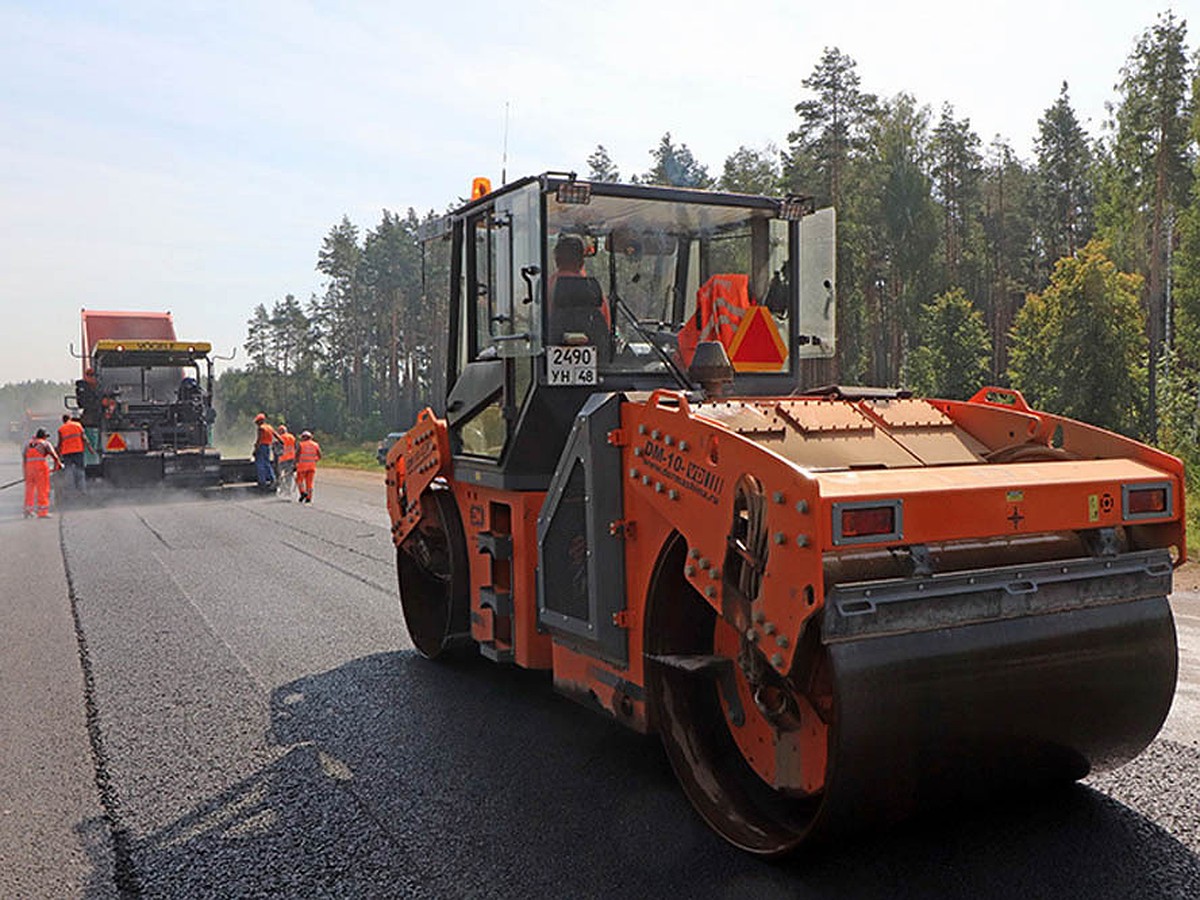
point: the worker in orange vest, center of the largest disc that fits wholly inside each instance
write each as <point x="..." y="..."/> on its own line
<point x="72" y="441"/>
<point x="308" y="452"/>
<point x="262" y="453"/>
<point x="37" y="476"/>
<point x="285" y="460"/>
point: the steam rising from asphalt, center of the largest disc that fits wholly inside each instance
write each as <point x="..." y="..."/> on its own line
<point x="64" y="498"/>
<point x="101" y="495"/>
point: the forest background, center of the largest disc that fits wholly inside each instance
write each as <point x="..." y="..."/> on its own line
<point x="1073" y="276"/>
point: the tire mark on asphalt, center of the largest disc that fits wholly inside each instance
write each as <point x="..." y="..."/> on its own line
<point x="325" y="511"/>
<point x="125" y="874"/>
<point x="154" y="531"/>
<point x="324" y="540"/>
<point x="368" y="582"/>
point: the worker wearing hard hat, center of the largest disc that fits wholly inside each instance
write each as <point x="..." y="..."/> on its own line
<point x="285" y="460"/>
<point x="308" y="452"/>
<point x="38" y="453"/>
<point x="262" y="453"/>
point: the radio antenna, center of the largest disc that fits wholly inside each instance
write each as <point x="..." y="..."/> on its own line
<point x="504" y="157"/>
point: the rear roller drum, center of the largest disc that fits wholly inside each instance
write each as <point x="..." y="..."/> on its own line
<point x="701" y="699"/>
<point x="431" y="565"/>
<point x="869" y="730"/>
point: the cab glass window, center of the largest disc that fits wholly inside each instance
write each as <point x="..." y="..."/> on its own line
<point x="642" y="281"/>
<point x="481" y="279"/>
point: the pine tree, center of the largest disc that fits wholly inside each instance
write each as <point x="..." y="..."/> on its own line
<point x="391" y="275"/>
<point x="1065" y="193"/>
<point x="832" y="127"/>
<point x="1007" y="224"/>
<point x="954" y="355"/>
<point x="1148" y="173"/>
<point x="339" y="311"/>
<point x="676" y="166"/>
<point x="292" y="352"/>
<point x="601" y="167"/>
<point x="957" y="173"/>
<point x="749" y="171"/>
<point x="258" y="338"/>
<point x="887" y="238"/>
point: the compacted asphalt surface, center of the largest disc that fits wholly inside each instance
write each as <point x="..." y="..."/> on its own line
<point x="216" y="697"/>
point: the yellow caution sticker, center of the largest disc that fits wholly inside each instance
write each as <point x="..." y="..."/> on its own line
<point x="1014" y="496"/>
<point x="1093" y="507"/>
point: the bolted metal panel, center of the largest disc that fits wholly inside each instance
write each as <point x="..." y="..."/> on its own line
<point x="563" y="552"/>
<point x="581" y="572"/>
<point x="871" y="609"/>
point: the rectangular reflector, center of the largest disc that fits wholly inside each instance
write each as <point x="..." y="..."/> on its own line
<point x="870" y="520"/>
<point x="867" y="521"/>
<point x="1151" y="500"/>
<point x="1147" y="501"/>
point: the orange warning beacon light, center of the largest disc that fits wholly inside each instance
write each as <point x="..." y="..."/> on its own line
<point x="480" y="187"/>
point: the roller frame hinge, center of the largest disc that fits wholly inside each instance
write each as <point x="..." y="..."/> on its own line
<point x="624" y="618"/>
<point x="623" y="528"/>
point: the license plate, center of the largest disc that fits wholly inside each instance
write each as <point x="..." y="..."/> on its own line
<point x="567" y="365"/>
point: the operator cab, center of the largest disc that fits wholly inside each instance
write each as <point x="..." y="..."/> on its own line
<point x="559" y="288"/>
<point x="158" y="390"/>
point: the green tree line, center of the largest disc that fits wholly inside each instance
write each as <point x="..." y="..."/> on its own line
<point x="1073" y="276"/>
<point x="357" y="358"/>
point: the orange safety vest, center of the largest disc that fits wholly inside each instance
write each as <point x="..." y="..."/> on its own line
<point x="289" y="447"/>
<point x="720" y="304"/>
<point x="310" y="452"/>
<point x="37" y="450"/>
<point x="266" y="434"/>
<point x="70" y="437"/>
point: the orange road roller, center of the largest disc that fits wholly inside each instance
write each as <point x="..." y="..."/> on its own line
<point x="836" y="606"/>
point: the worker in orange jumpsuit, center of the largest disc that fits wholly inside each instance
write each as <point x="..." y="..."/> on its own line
<point x="37" y="476"/>
<point x="72" y="441"/>
<point x="262" y="453"/>
<point x="285" y="460"/>
<point x="308" y="452"/>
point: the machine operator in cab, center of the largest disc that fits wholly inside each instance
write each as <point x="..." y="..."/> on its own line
<point x="578" y="309"/>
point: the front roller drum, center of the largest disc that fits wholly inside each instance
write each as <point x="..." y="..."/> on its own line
<point x="1012" y="705"/>
<point x="920" y="717"/>
<point x="432" y="569"/>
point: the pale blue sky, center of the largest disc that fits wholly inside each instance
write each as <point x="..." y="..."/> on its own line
<point x="191" y="156"/>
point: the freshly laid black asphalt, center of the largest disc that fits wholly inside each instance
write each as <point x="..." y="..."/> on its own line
<point x="247" y="718"/>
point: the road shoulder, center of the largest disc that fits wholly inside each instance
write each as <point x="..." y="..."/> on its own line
<point x="54" y="838"/>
